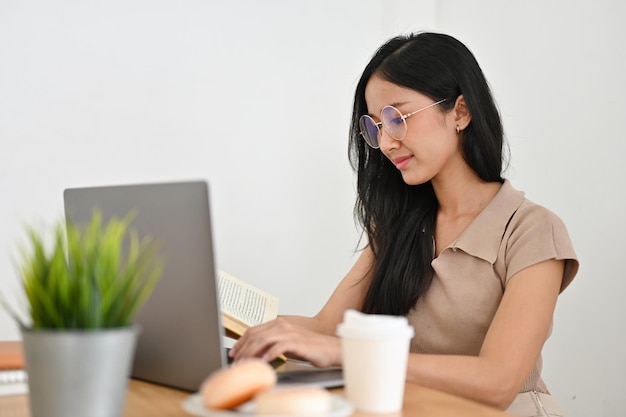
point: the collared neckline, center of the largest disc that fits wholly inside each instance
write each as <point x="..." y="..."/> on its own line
<point x="482" y="237"/>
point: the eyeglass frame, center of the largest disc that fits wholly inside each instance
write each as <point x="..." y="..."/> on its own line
<point x="402" y="116"/>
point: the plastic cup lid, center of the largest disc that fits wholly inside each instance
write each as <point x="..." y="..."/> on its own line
<point x="374" y="326"/>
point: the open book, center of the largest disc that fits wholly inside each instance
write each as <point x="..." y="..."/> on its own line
<point x="244" y="305"/>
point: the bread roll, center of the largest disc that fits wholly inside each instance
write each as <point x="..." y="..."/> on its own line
<point x="230" y="387"/>
<point x="293" y="401"/>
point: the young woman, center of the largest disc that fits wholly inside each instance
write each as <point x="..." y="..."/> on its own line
<point x="475" y="266"/>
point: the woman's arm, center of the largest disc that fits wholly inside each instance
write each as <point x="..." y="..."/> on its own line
<point x="310" y="338"/>
<point x="511" y="347"/>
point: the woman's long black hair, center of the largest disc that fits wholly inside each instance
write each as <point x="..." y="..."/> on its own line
<point x="399" y="219"/>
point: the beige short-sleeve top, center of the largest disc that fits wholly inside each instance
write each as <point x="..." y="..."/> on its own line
<point x="470" y="275"/>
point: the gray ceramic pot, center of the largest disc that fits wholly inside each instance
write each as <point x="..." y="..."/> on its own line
<point x="78" y="373"/>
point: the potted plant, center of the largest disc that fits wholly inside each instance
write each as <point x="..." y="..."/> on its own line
<point x="82" y="295"/>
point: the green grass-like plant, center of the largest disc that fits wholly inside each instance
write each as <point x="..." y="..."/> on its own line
<point x="95" y="277"/>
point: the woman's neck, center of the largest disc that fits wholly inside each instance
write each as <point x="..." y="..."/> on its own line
<point x="464" y="196"/>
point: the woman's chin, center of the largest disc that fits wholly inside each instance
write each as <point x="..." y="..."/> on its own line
<point x="410" y="178"/>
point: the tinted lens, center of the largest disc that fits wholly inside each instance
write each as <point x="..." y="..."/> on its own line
<point x="369" y="130"/>
<point x="393" y="122"/>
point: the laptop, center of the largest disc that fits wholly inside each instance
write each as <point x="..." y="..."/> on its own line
<point x="181" y="339"/>
<point x="179" y="342"/>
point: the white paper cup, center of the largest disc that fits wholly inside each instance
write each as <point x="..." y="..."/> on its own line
<point x="375" y="350"/>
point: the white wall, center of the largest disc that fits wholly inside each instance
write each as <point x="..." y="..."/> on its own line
<point x="255" y="97"/>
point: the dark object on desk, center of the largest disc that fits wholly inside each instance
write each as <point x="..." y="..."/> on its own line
<point x="323" y="377"/>
<point x="297" y="372"/>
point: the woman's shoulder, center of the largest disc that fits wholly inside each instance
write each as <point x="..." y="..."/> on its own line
<point x="527" y="213"/>
<point x="531" y="214"/>
<point x="535" y="233"/>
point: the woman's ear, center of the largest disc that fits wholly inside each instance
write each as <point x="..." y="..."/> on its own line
<point x="462" y="115"/>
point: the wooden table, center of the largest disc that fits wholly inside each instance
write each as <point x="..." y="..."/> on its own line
<point x="145" y="399"/>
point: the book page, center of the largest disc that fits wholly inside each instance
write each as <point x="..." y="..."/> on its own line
<point x="244" y="302"/>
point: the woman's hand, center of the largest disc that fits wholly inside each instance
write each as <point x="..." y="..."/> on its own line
<point x="282" y="336"/>
<point x="310" y="338"/>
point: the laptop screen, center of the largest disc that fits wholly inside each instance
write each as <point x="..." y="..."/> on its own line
<point x="180" y="341"/>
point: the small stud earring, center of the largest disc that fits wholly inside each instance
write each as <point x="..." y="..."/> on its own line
<point x="458" y="130"/>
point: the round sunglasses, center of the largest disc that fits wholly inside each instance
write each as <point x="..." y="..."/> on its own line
<point x="391" y="120"/>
